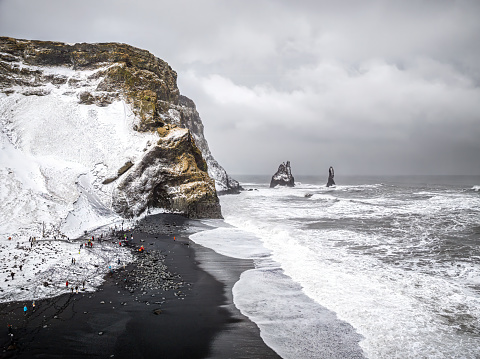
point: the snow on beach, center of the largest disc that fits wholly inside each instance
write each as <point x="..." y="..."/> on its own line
<point x="42" y="269"/>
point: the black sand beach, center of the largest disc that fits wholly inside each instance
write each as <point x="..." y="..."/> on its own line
<point x="195" y="316"/>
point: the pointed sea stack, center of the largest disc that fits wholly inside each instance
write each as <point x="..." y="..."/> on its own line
<point x="283" y="177"/>
<point x="331" y="174"/>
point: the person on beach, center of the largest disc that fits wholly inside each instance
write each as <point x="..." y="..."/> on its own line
<point x="67" y="283"/>
<point x="12" y="274"/>
<point x="83" y="284"/>
<point x="20" y="266"/>
<point x="33" y="306"/>
<point x="76" y="289"/>
<point x="25" y="310"/>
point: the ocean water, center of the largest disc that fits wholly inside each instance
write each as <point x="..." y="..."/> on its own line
<point x="377" y="267"/>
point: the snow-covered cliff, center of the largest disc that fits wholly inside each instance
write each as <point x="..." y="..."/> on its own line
<point x="91" y="131"/>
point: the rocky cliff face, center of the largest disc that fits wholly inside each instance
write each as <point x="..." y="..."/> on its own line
<point x="172" y="174"/>
<point x="283" y="176"/>
<point x="139" y="143"/>
<point x="188" y="117"/>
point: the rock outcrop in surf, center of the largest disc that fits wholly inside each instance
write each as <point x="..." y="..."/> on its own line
<point x="331" y="174"/>
<point x="283" y="176"/>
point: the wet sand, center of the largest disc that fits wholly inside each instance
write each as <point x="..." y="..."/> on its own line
<point x="197" y="318"/>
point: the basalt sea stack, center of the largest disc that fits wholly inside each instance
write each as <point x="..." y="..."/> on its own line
<point x="283" y="176"/>
<point x="331" y="174"/>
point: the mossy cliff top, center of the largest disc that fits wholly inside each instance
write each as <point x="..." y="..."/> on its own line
<point x="148" y="83"/>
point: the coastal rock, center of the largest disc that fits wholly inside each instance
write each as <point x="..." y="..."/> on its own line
<point x="172" y="175"/>
<point x="283" y="176"/>
<point x="175" y="170"/>
<point x="331" y="174"/>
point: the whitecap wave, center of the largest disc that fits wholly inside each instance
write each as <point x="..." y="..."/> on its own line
<point x="359" y="275"/>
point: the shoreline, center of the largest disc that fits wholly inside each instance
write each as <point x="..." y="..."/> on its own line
<point x="196" y="315"/>
<point x="241" y="337"/>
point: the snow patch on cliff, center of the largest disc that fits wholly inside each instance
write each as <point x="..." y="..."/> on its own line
<point x="55" y="153"/>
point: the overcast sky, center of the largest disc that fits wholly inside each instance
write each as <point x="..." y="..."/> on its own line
<point x="369" y="87"/>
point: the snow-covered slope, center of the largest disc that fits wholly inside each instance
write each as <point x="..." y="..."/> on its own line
<point x="54" y="156"/>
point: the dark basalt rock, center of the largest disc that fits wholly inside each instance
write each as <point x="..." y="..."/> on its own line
<point x="331" y="174"/>
<point x="283" y="176"/>
<point x="171" y="175"/>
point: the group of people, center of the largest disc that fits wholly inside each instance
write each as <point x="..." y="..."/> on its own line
<point x="76" y="286"/>
<point x="12" y="274"/>
<point x="25" y="308"/>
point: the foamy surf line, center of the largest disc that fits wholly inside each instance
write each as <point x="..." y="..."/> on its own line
<point x="364" y="252"/>
<point x="290" y="323"/>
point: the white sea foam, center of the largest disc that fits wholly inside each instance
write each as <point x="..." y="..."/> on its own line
<point x="406" y="309"/>
<point x="232" y="242"/>
<point x="291" y="323"/>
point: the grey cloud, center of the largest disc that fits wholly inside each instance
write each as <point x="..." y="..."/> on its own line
<point x="368" y="86"/>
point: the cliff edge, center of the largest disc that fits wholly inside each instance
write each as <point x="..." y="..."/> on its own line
<point x="92" y="129"/>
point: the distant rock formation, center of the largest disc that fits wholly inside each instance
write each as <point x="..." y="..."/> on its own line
<point x="331" y="174"/>
<point x="283" y="176"/>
